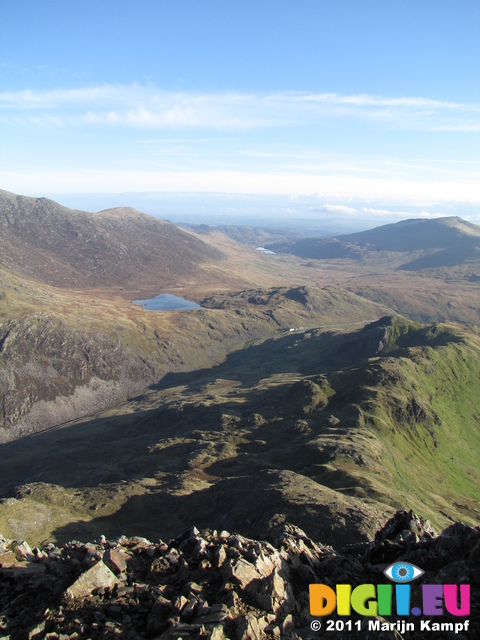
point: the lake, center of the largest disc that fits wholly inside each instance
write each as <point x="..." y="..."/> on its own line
<point x="167" y="302"/>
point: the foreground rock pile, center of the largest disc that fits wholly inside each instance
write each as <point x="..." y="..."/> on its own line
<point x="214" y="584"/>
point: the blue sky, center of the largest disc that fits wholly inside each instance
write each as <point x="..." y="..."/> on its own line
<point x="372" y="101"/>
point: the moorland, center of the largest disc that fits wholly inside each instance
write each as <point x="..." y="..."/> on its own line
<point x="327" y="384"/>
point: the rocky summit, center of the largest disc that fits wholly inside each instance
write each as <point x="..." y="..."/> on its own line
<point x="219" y="585"/>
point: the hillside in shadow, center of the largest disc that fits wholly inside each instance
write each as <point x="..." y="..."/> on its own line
<point x="333" y="431"/>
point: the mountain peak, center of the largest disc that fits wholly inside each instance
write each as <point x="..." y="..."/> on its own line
<point x="452" y="240"/>
<point x="116" y="247"/>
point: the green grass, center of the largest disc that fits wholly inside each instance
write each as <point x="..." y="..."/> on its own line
<point x="429" y="420"/>
<point x="300" y="424"/>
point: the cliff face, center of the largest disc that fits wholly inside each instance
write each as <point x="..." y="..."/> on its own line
<point x="219" y="585"/>
<point x="335" y="430"/>
<point x="50" y="373"/>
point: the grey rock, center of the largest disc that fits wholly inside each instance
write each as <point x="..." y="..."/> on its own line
<point x="189" y="610"/>
<point x="241" y="572"/>
<point x="99" y="576"/>
<point x="7" y="559"/>
<point x="259" y="591"/>
<point x="37" y="632"/>
<point x="23" y="551"/>
<point x="217" y="633"/>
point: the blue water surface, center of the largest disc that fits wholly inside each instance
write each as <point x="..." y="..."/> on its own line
<point x="167" y="302"/>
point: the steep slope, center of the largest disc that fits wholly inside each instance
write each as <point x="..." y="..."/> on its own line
<point x="331" y="430"/>
<point x="261" y="406"/>
<point x="71" y="343"/>
<point x="74" y="355"/>
<point x="425" y="243"/>
<point x="120" y="247"/>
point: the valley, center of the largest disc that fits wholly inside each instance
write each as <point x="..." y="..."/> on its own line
<point x="323" y="391"/>
<point x="330" y="430"/>
<point x="239" y="320"/>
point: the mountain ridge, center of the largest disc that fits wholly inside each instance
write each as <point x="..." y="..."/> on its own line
<point x="441" y="242"/>
<point x="305" y="401"/>
<point x="221" y="585"/>
<point x="117" y="351"/>
<point x="335" y="430"/>
<point x="118" y="247"/>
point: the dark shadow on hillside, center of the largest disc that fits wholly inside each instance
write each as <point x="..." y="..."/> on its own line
<point x="312" y="352"/>
<point x="107" y="450"/>
<point x="242" y="504"/>
<point x="306" y="353"/>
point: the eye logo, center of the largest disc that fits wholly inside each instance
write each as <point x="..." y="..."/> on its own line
<point x="403" y="572"/>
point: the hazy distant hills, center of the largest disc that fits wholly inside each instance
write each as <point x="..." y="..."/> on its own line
<point x="117" y="247"/>
<point x="442" y="242"/>
<point x="71" y="342"/>
<point x="248" y="235"/>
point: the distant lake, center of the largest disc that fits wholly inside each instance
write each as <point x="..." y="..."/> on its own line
<point x="167" y="302"/>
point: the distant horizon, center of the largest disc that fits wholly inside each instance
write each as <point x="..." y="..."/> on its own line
<point x="304" y="213"/>
<point x="374" y="103"/>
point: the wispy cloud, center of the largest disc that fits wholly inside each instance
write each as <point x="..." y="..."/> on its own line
<point x="136" y="106"/>
<point x="424" y="194"/>
<point x="467" y="127"/>
<point x="148" y="107"/>
<point x="279" y="143"/>
<point x="364" y="99"/>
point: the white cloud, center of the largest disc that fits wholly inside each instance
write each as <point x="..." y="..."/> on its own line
<point x="370" y="100"/>
<point x="467" y="127"/>
<point x="280" y="162"/>
<point x="147" y="106"/>
<point x="337" y="208"/>
<point x="136" y="106"/>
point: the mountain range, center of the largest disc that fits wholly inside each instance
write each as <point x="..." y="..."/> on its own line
<point x="286" y="397"/>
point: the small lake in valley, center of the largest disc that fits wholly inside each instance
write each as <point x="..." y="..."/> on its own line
<point x="167" y="302"/>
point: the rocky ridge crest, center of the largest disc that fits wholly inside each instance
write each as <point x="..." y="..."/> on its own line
<point x="214" y="584"/>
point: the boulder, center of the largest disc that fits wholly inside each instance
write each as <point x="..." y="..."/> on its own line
<point x="99" y="576"/>
<point x="115" y="560"/>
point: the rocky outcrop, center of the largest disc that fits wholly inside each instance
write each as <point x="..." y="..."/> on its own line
<point x="214" y="584"/>
<point x="50" y="373"/>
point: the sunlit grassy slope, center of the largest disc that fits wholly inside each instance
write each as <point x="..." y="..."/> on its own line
<point x="426" y="410"/>
<point x="245" y="421"/>
<point x="331" y="430"/>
